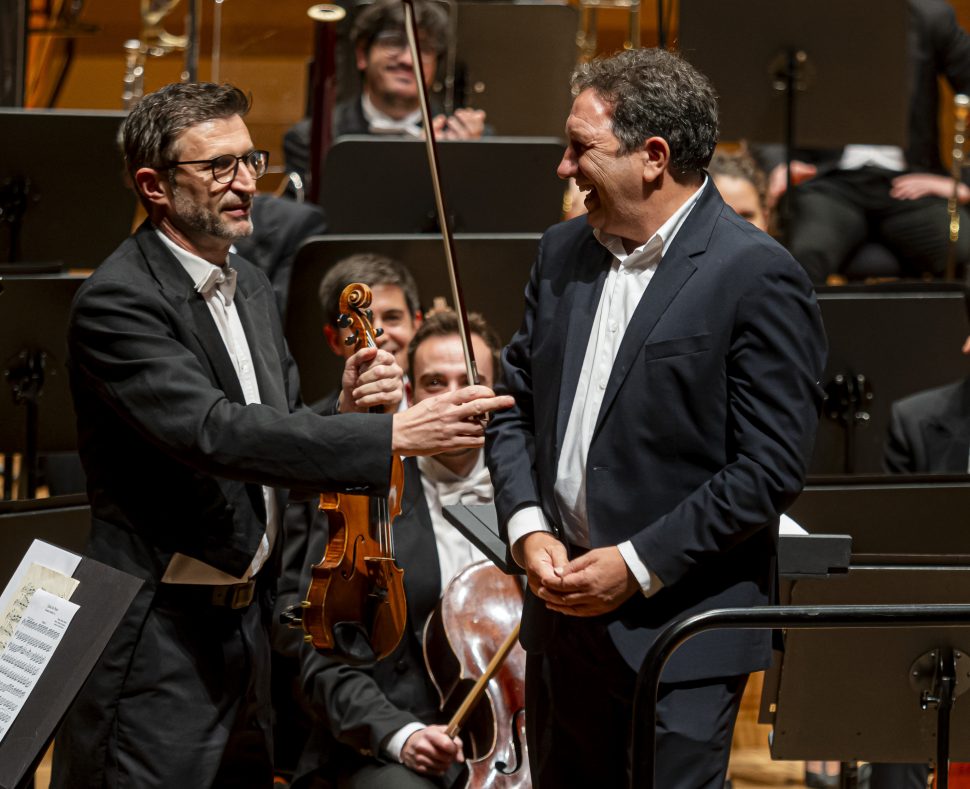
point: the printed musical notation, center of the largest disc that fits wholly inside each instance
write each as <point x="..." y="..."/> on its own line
<point x="36" y="577"/>
<point x="41" y="625"/>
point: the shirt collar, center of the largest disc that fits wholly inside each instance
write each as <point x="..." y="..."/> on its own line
<point x="653" y="248"/>
<point x="382" y="123"/>
<point x="203" y="273"/>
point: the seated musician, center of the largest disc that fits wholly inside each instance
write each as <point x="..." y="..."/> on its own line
<point x="397" y="313"/>
<point x="388" y="101"/>
<point x="742" y="184"/>
<point x="379" y="725"/>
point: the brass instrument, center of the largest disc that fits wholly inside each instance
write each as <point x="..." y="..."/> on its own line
<point x="961" y="108"/>
<point x="589" y="12"/>
<point x="156" y="41"/>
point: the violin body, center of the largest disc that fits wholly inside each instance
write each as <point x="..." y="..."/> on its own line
<point x="355" y="607"/>
<point x="480" y="608"/>
<point x="356" y="591"/>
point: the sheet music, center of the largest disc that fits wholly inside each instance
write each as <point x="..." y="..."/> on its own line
<point x="35" y="577"/>
<point x="40" y="629"/>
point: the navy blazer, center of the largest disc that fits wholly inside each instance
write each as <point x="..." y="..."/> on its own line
<point x="704" y="432"/>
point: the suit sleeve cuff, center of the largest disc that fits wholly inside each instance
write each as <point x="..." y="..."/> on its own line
<point x="525" y="521"/>
<point x="395" y="743"/>
<point x="649" y="582"/>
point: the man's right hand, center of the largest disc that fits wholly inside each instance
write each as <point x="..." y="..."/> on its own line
<point x="430" y="751"/>
<point x="541" y="555"/>
<point x="446" y="422"/>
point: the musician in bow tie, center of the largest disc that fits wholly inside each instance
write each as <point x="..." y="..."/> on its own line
<point x="380" y="725"/>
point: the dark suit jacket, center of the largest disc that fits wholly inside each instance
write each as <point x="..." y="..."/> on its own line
<point x="938" y="46"/>
<point x="929" y="432"/>
<point x="360" y="707"/>
<point x="705" y="428"/>
<point x="280" y="226"/>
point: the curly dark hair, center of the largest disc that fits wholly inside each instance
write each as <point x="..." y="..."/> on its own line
<point x="656" y="93"/>
<point x="150" y="133"/>
<point x="384" y="15"/>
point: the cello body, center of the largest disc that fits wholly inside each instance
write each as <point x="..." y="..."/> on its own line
<point x="480" y="608"/>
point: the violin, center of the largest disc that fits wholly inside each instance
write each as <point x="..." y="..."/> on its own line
<point x="355" y="606"/>
<point x="472" y="636"/>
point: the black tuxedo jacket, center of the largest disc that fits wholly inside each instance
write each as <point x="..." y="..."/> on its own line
<point x="706" y="424"/>
<point x="175" y="461"/>
<point x="360" y="707"/>
<point x="929" y="432"/>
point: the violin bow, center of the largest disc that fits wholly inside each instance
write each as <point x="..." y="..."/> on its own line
<point x="431" y="147"/>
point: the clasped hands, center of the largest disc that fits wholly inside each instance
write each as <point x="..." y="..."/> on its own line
<point x="595" y="583"/>
<point x="449" y="421"/>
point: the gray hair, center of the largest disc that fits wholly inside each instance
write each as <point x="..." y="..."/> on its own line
<point x="655" y="93"/>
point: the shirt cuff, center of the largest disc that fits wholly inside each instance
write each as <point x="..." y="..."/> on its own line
<point x="525" y="521"/>
<point x="395" y="743"/>
<point x="650" y="583"/>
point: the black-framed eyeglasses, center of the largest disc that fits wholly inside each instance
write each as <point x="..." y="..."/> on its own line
<point x="225" y="167"/>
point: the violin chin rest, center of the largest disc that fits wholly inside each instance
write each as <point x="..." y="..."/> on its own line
<point x="351" y="643"/>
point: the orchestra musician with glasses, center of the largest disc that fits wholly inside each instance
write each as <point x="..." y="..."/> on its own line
<point x="191" y="432"/>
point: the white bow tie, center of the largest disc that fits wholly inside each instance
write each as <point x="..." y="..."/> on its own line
<point x="222" y="278"/>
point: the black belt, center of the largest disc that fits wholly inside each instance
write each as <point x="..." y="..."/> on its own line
<point x="231" y="596"/>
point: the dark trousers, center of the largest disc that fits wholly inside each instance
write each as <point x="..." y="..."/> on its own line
<point x="579" y="705"/>
<point x="187" y="704"/>
<point x="899" y="776"/>
<point x="835" y="213"/>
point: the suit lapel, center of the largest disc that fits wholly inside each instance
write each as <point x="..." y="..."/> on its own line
<point x="415" y="549"/>
<point x="674" y="269"/>
<point x="177" y="287"/>
<point x="255" y="320"/>
<point x="576" y="313"/>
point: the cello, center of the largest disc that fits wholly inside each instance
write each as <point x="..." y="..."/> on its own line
<point x="355" y="606"/>
<point x="472" y="636"/>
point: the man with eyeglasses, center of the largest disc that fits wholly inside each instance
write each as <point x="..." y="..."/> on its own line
<point x="388" y="100"/>
<point x="189" y="424"/>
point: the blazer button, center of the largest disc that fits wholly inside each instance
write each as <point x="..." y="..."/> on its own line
<point x="401" y="667"/>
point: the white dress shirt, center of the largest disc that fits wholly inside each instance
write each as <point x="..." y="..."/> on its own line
<point x="209" y="281"/>
<point x="626" y="282"/>
<point x="442" y="488"/>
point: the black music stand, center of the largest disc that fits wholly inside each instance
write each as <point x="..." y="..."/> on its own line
<point x="495" y="185"/>
<point x="852" y="695"/>
<point x="818" y="75"/>
<point x="885" y="342"/>
<point x="479" y="524"/>
<point x="62" y="191"/>
<point x="847" y="87"/>
<point x="36" y="410"/>
<point x="497" y="47"/>
<point x="494" y="271"/>
<point x="103" y="595"/>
